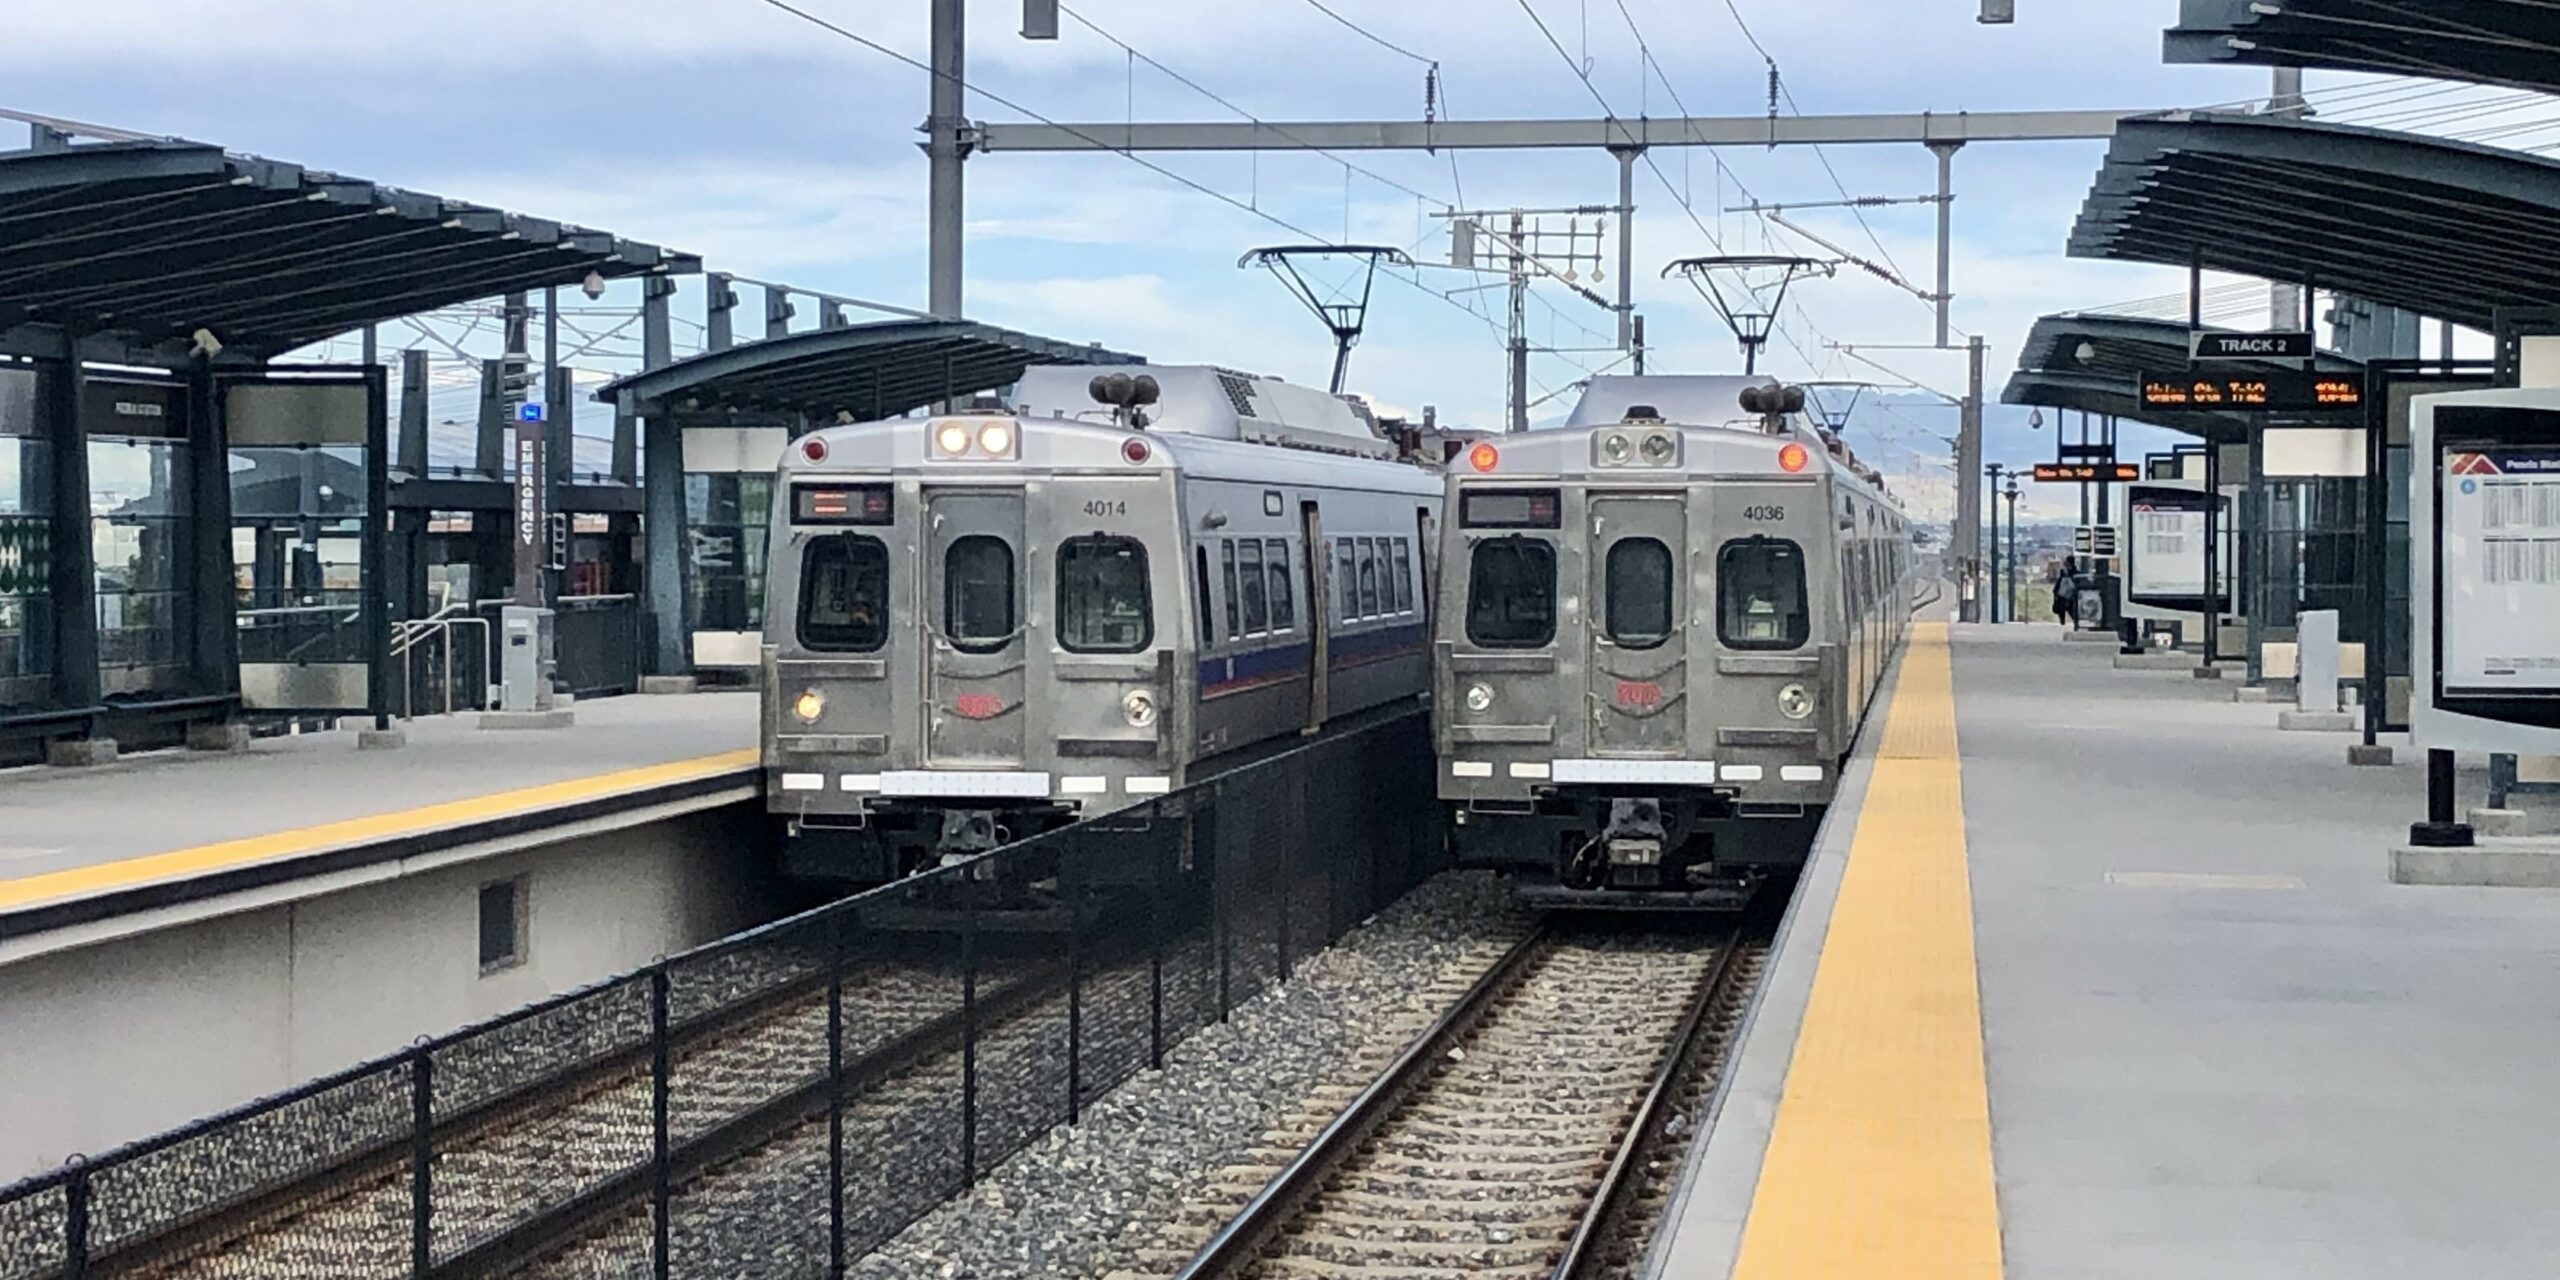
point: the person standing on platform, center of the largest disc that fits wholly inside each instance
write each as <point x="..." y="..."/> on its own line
<point x="2066" y="591"/>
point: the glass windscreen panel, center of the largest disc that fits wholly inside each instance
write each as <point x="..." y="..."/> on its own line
<point x="1760" y="595"/>
<point x="1103" y="602"/>
<point x="1511" y="594"/>
<point x="844" y="594"/>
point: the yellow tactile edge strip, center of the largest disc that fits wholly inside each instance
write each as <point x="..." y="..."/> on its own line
<point x="79" y="882"/>
<point x="1879" y="1162"/>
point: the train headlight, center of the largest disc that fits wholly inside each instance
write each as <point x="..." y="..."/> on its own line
<point x="1794" y="703"/>
<point x="1616" y="448"/>
<point x="1139" y="708"/>
<point x="997" y="439"/>
<point x="808" y="706"/>
<point x="1657" y="449"/>
<point x="952" y="439"/>
<point x="1479" y="698"/>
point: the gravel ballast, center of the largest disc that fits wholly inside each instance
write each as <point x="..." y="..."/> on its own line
<point x="1079" y="1201"/>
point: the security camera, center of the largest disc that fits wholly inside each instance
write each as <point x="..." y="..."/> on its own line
<point x="206" y="344"/>
<point x="593" y="286"/>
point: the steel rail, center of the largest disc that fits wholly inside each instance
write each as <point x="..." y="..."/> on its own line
<point x="1242" y="1239"/>
<point x="1616" y="1185"/>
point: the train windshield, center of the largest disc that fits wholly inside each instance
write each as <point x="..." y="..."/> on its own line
<point x="1639" y="592"/>
<point x="1760" y="602"/>
<point x="844" y="594"/>
<point x="1103" y="606"/>
<point x="977" y="592"/>
<point x="1511" y="594"/>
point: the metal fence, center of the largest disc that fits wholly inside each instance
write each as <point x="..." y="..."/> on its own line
<point x="784" y="1101"/>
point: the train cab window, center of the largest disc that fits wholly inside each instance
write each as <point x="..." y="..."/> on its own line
<point x="1257" y="605"/>
<point x="1227" y="567"/>
<point x="1275" y="561"/>
<point x="1369" y="578"/>
<point x="1403" y="576"/>
<point x="1103" y="603"/>
<point x="844" y="594"/>
<point x="1638" y="592"/>
<point x="1346" y="579"/>
<point x="977" y="592"/>
<point x="1200" y="594"/>
<point x="1511" y="594"/>
<point x="1760" y="602"/>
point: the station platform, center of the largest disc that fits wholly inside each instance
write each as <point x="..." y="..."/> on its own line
<point x="2106" y="977"/>
<point x="172" y="832"/>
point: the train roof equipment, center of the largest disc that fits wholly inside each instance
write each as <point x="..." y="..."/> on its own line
<point x="1214" y="403"/>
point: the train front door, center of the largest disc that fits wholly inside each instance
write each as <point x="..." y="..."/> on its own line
<point x="1638" y="664"/>
<point x="975" y="669"/>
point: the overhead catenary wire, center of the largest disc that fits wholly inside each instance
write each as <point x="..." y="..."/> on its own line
<point x="1123" y="152"/>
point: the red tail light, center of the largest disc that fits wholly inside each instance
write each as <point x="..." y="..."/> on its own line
<point x="1792" y="458"/>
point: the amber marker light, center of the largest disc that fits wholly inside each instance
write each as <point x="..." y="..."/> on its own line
<point x="1792" y="457"/>
<point x="1483" y="457"/>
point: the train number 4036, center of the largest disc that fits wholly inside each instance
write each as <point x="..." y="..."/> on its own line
<point x="1764" y="513"/>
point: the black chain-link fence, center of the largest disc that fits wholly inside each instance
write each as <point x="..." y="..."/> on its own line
<point x="781" y="1102"/>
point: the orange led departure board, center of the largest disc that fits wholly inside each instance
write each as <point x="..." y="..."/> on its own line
<point x="2278" y="391"/>
<point x="2088" y="472"/>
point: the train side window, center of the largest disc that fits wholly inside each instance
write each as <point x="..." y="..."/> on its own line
<point x="1346" y="579"/>
<point x="1284" y="589"/>
<point x="977" y="592"/>
<point x="844" y="594"/>
<point x="1403" y="577"/>
<point x="1511" y="594"/>
<point x="1257" y="606"/>
<point x="1200" y="595"/>
<point x="1103" y="602"/>
<point x="1369" y="578"/>
<point x="1760" y="602"/>
<point x="1638" y="592"/>
<point x="1227" y="566"/>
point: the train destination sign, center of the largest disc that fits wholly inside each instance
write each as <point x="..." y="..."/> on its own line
<point x="2088" y="472"/>
<point x="2273" y="391"/>
<point x="2249" y="346"/>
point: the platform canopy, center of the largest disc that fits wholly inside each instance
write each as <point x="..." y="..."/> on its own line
<point x="145" y="241"/>
<point x="2514" y="42"/>
<point x="2444" y="229"/>
<point x="868" y="371"/>
<point x="2094" y="362"/>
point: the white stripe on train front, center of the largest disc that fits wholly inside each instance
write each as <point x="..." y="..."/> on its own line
<point x="1684" y="773"/>
<point x="965" y="784"/>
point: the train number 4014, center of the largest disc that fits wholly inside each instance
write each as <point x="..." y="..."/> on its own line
<point x="1107" y="507"/>
<point x="1764" y="513"/>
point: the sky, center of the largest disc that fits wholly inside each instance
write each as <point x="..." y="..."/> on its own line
<point x="781" y="151"/>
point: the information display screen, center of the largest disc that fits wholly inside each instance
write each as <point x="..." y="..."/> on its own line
<point x="2086" y="472"/>
<point x="2498" y="567"/>
<point x="1511" y="509"/>
<point x="2274" y="391"/>
<point x="840" y="504"/>
<point x="2165" y="561"/>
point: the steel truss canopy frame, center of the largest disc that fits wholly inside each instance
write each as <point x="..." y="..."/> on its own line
<point x="1930" y="129"/>
<point x="2444" y="229"/>
<point x="2511" y="42"/>
<point x="149" y="240"/>
<point x="870" y="371"/>
<point x="2053" y="373"/>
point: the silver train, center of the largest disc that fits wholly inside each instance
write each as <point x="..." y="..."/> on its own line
<point x="1662" y="626"/>
<point x="984" y="625"/>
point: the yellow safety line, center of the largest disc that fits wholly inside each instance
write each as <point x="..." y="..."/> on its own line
<point x="227" y="854"/>
<point x="1880" y="1160"/>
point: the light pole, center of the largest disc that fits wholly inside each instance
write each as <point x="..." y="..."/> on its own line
<point x="1991" y="576"/>
<point x="2012" y="495"/>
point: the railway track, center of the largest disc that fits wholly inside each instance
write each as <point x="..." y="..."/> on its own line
<point x="1527" y="1132"/>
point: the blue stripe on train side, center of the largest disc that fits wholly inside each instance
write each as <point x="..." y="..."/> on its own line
<point x="1236" y="674"/>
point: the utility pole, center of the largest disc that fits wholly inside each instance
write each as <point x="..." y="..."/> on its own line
<point x="1627" y="248"/>
<point x="947" y="148"/>
<point x="1519" y="328"/>
<point x="1968" y="531"/>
